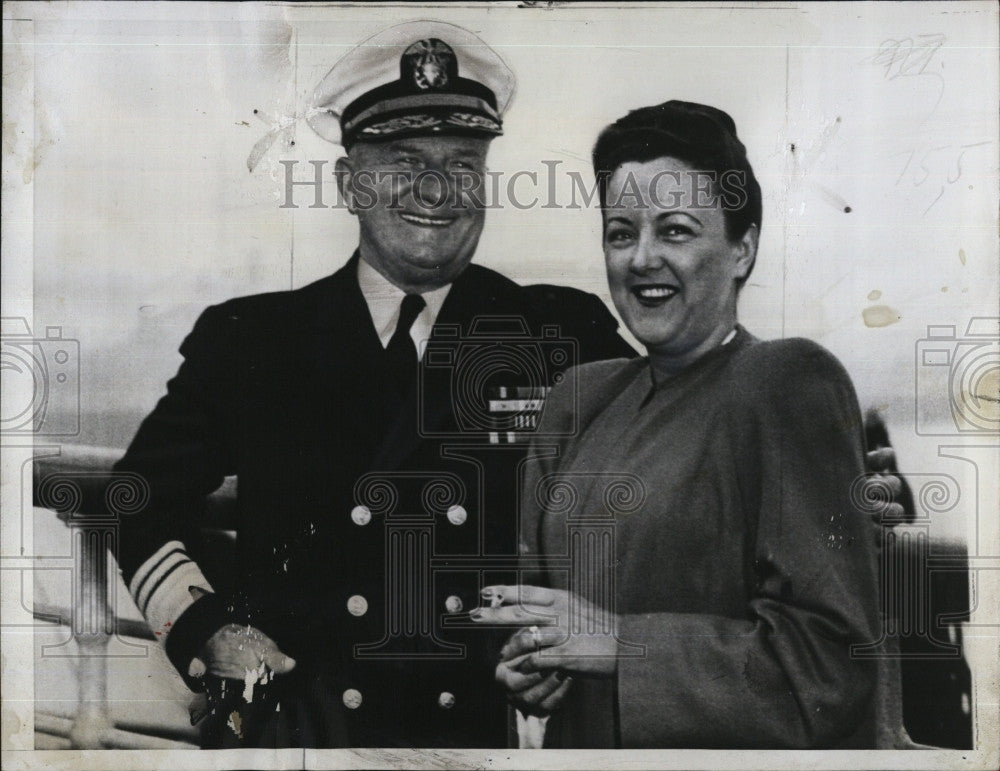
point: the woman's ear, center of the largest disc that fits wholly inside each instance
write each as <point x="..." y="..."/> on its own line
<point x="745" y="252"/>
<point x="344" y="172"/>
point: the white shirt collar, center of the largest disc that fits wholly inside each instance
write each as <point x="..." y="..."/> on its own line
<point x="383" y="299"/>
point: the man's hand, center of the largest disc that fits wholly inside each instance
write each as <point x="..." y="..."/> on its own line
<point x="559" y="647"/>
<point x="235" y="650"/>
<point x="881" y="465"/>
<point x="886" y="485"/>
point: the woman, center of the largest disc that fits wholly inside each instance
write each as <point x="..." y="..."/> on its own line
<point x="742" y="572"/>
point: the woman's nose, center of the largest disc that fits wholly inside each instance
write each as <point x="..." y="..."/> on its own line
<point x="647" y="255"/>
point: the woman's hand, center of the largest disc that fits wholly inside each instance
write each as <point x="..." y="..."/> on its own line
<point x="533" y="693"/>
<point x="578" y="637"/>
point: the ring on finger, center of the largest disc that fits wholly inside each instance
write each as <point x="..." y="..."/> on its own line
<point x="536" y="637"/>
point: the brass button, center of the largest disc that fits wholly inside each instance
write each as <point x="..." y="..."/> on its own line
<point x="361" y="515"/>
<point x="453" y="604"/>
<point x="446" y="700"/>
<point x="457" y="514"/>
<point x="357" y="605"/>
<point x="352" y="698"/>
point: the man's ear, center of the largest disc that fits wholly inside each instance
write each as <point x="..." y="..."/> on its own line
<point x="745" y="252"/>
<point x="344" y="172"/>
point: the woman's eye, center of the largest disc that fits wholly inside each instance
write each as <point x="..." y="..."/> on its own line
<point x="618" y="237"/>
<point x="676" y="231"/>
<point x="409" y="160"/>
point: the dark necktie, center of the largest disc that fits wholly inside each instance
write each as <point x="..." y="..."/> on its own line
<point x="401" y="352"/>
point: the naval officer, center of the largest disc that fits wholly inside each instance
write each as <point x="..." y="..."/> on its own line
<point x="373" y="501"/>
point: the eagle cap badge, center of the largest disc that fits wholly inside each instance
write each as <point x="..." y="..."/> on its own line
<point x="430" y="64"/>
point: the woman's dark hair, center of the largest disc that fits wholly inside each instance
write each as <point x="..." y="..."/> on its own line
<point x="703" y="137"/>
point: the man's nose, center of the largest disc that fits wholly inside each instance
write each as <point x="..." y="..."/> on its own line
<point x="431" y="188"/>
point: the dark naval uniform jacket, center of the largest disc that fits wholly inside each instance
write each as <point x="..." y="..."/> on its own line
<point x="367" y="521"/>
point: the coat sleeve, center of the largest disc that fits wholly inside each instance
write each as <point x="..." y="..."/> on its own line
<point x="568" y="409"/>
<point x="784" y="676"/>
<point x="599" y="337"/>
<point x="182" y="452"/>
<point x="584" y="318"/>
<point x="556" y="428"/>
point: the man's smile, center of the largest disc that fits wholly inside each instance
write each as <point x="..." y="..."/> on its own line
<point x="424" y="220"/>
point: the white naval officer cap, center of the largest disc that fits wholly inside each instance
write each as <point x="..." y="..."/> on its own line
<point x="417" y="78"/>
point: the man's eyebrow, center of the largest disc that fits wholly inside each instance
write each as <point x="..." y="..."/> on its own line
<point x="403" y="148"/>
<point x="468" y="152"/>
<point x="623" y="220"/>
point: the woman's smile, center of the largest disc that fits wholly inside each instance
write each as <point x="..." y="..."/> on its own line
<point x="654" y="295"/>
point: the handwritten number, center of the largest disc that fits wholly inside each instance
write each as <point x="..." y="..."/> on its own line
<point x="958" y="169"/>
<point x="927" y="171"/>
<point x="941" y="193"/>
<point x="908" y="161"/>
<point x="907" y="57"/>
